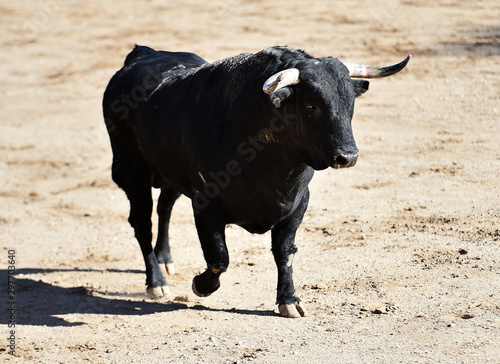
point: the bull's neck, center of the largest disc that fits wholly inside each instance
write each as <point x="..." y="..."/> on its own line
<point x="272" y="138"/>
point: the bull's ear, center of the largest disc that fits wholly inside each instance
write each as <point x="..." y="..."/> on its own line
<point x="360" y="87"/>
<point x="281" y="95"/>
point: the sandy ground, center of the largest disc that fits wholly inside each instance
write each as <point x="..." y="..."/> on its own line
<point x="399" y="257"/>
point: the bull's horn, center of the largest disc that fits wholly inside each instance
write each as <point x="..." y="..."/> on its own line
<point x="357" y="70"/>
<point x="281" y="79"/>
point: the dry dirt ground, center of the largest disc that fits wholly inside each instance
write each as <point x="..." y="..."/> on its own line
<point x="399" y="257"/>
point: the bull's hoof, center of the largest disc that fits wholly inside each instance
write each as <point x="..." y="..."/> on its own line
<point x="195" y="291"/>
<point x="292" y="310"/>
<point x="158" y="292"/>
<point x="170" y="267"/>
<point x="206" y="283"/>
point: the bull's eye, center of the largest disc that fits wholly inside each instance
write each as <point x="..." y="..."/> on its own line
<point x="313" y="110"/>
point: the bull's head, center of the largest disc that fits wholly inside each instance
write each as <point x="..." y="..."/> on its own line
<point x="324" y="97"/>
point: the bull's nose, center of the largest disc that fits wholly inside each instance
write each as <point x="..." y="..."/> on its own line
<point x="344" y="160"/>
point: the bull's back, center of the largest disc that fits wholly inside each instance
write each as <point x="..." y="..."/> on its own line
<point x="144" y="70"/>
<point x="126" y="99"/>
<point x="144" y="74"/>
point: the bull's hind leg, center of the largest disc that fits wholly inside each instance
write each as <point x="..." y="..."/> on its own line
<point x="135" y="180"/>
<point x="210" y="227"/>
<point x="166" y="202"/>
<point x="141" y="206"/>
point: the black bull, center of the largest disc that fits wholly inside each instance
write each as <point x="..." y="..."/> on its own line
<point x="208" y="131"/>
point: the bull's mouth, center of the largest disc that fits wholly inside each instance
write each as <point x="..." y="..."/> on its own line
<point x="344" y="160"/>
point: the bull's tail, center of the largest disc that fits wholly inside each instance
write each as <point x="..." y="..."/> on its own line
<point x="138" y="52"/>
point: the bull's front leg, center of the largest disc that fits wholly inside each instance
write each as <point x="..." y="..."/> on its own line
<point x="210" y="226"/>
<point x="283" y="246"/>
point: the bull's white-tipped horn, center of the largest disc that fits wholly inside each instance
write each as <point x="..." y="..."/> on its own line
<point x="281" y="79"/>
<point x="357" y="70"/>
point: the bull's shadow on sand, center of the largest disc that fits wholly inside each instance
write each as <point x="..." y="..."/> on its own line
<point x="41" y="304"/>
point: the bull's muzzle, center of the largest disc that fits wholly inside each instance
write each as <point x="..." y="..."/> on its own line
<point x="344" y="160"/>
